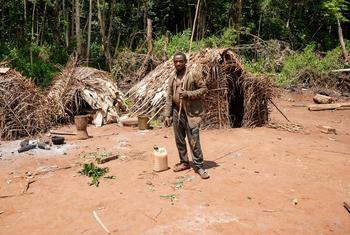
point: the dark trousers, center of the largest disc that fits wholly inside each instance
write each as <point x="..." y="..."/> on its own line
<point x="181" y="129"/>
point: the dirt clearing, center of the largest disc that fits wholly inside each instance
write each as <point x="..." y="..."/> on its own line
<point x="289" y="180"/>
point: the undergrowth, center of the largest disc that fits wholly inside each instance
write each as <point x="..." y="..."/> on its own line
<point x="94" y="172"/>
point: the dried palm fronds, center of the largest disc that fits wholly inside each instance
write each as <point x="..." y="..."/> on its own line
<point x="129" y="67"/>
<point x="23" y="112"/>
<point x="234" y="98"/>
<point x="26" y="111"/>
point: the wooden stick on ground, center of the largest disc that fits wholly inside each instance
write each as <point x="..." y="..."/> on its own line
<point x="320" y="107"/>
<point x="61" y="133"/>
<point x="279" y="110"/>
<point x="100" y="222"/>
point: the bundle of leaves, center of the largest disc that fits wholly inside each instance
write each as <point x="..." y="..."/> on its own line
<point x="94" y="172"/>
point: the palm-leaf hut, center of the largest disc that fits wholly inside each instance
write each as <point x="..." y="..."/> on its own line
<point x="26" y="110"/>
<point x="235" y="97"/>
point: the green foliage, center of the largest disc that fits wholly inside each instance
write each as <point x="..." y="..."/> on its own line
<point x="227" y="39"/>
<point x="94" y="172"/>
<point x="39" y="69"/>
<point x="254" y="67"/>
<point x="179" y="42"/>
<point x="334" y="9"/>
<point x="308" y="59"/>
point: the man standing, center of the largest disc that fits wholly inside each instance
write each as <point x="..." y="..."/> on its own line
<point x="183" y="108"/>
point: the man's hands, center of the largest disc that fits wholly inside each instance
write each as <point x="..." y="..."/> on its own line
<point x="168" y="121"/>
<point x="183" y="94"/>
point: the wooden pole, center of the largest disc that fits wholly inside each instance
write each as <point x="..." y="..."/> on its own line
<point x="194" y="25"/>
<point x="189" y="52"/>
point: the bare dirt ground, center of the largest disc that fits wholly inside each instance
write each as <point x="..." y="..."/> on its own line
<point x="263" y="181"/>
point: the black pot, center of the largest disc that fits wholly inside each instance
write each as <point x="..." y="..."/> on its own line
<point x="57" y="140"/>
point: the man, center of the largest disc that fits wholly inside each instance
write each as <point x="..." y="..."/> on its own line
<point x="184" y="95"/>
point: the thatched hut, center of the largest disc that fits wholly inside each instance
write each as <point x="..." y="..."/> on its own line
<point x="26" y="110"/>
<point x="235" y="97"/>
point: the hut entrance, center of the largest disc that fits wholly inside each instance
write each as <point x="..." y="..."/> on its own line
<point x="236" y="106"/>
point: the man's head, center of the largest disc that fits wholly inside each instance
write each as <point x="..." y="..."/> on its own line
<point x="180" y="61"/>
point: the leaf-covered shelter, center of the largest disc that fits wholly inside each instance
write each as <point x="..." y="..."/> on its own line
<point x="235" y="97"/>
<point x="26" y="110"/>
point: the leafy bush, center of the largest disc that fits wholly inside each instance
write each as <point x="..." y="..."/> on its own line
<point x="227" y="39"/>
<point x="309" y="60"/>
<point x="39" y="69"/>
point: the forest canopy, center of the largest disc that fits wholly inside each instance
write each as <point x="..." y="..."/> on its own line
<point x="37" y="36"/>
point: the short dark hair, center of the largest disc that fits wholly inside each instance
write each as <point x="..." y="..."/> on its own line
<point x="181" y="54"/>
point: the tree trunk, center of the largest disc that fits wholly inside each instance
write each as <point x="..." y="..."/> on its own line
<point x="42" y="30"/>
<point x="166" y="42"/>
<point x="149" y="37"/>
<point x="236" y="9"/>
<point x="103" y="36"/>
<point x="117" y="46"/>
<point x="342" y="43"/>
<point x="32" y="34"/>
<point x="110" y="16"/>
<point x="77" y="26"/>
<point x="56" y="24"/>
<point x="89" y="34"/>
<point x="25" y="17"/>
<point x="72" y="21"/>
<point x="65" y="14"/>
<point x="204" y="21"/>
<point x="259" y="26"/>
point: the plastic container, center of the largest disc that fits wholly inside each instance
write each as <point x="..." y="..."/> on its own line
<point x="160" y="159"/>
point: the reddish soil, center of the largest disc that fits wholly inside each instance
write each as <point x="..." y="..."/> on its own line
<point x="263" y="181"/>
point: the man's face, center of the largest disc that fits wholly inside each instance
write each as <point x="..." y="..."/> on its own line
<point x="179" y="62"/>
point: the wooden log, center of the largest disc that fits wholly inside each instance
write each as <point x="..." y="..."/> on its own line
<point x="340" y="70"/>
<point x="320" y="107"/>
<point x="322" y="99"/>
<point x="106" y="159"/>
<point x="130" y="121"/>
<point x="61" y="133"/>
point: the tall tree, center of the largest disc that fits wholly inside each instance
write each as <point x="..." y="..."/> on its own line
<point x="105" y="38"/>
<point x="333" y="9"/>
<point x="89" y="33"/>
<point x="77" y="26"/>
